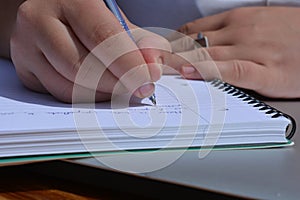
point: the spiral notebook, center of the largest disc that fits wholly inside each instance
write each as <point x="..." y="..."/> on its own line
<point x="189" y="114"/>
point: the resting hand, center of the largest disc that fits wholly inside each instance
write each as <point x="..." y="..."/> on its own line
<point x="53" y="38"/>
<point x="255" y="48"/>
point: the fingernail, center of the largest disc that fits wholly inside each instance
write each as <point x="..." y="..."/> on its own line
<point x="188" y="69"/>
<point x="146" y="90"/>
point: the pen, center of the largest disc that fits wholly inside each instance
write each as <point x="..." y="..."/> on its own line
<point x="112" y="5"/>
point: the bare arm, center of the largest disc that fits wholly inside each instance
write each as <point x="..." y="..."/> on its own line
<point x="8" y="10"/>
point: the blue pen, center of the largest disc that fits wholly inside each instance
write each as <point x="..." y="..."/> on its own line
<point x="112" y="5"/>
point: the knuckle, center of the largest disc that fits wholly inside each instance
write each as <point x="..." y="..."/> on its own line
<point x="236" y="13"/>
<point x="25" y="12"/>
<point x="185" y="29"/>
<point x="232" y="14"/>
<point x="238" y="71"/>
<point x="101" y="32"/>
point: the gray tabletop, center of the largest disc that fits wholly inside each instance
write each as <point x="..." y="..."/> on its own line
<point x="262" y="173"/>
<point x="160" y="13"/>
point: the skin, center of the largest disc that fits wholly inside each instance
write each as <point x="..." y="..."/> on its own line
<point x="52" y="38"/>
<point x="254" y="48"/>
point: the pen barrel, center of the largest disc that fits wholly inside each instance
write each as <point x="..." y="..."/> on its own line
<point x="113" y="6"/>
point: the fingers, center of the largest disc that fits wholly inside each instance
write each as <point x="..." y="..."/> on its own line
<point x="244" y="74"/>
<point x="172" y="62"/>
<point x="209" y="23"/>
<point x="66" y="51"/>
<point x="177" y="60"/>
<point x="95" y="24"/>
<point x="216" y="53"/>
<point x="184" y="43"/>
<point x="61" y="47"/>
<point x="220" y="37"/>
<point x="49" y="79"/>
<point x="128" y="65"/>
<point x="68" y="91"/>
<point x="153" y="47"/>
<point x="39" y="75"/>
<point x="71" y="59"/>
<point x="100" y="32"/>
<point x="225" y="36"/>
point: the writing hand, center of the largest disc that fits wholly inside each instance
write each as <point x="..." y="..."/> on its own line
<point x="53" y="38"/>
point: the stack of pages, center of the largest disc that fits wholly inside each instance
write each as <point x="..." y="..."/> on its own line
<point x="188" y="114"/>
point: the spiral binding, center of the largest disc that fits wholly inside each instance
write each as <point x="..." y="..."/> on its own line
<point x="263" y="107"/>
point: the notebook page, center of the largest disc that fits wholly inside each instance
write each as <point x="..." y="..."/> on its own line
<point x="24" y="111"/>
<point x="181" y="103"/>
<point x="185" y="107"/>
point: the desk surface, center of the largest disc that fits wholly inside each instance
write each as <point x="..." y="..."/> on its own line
<point x="266" y="174"/>
<point x="22" y="182"/>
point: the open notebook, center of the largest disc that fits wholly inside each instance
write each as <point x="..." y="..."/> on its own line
<point x="189" y="114"/>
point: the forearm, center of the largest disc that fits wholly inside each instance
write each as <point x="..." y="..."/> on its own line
<point x="8" y="11"/>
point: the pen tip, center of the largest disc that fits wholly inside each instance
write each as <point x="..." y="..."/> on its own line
<point x="153" y="99"/>
<point x="154" y="102"/>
